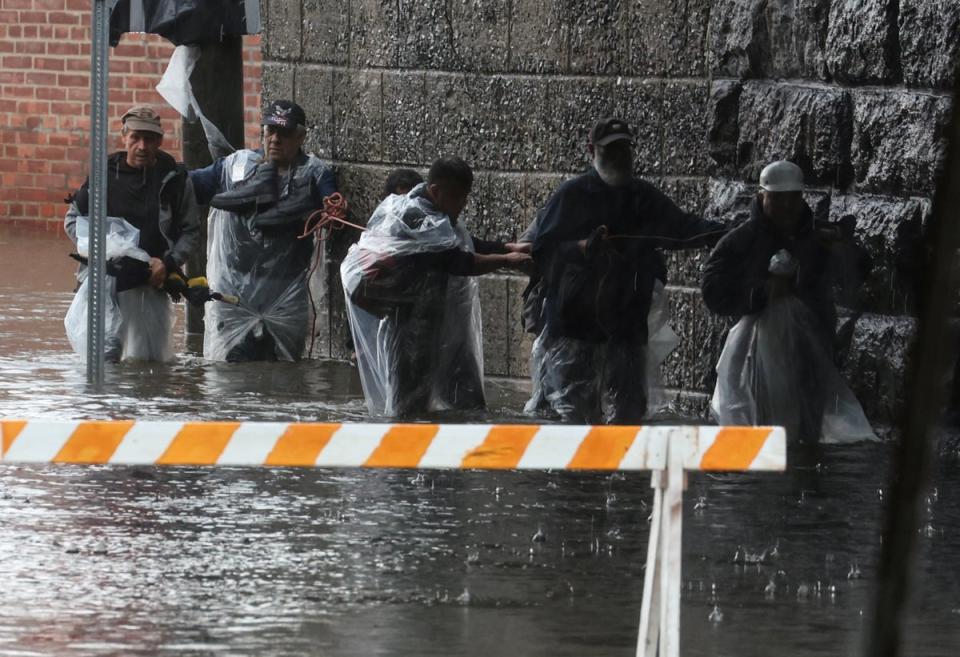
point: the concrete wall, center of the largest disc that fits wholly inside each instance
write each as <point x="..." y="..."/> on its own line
<point x="45" y="102"/>
<point x="855" y="91"/>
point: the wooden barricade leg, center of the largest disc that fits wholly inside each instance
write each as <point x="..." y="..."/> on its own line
<point x="650" y="608"/>
<point x="671" y="541"/>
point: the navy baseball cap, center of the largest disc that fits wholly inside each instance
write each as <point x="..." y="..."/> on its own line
<point x="284" y="114"/>
<point x="609" y="130"/>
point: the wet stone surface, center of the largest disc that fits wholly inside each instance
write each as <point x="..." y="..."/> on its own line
<point x="685" y="144"/>
<point x="541" y="44"/>
<point x="404" y="129"/>
<point x="315" y="95"/>
<point x="878" y="357"/>
<point x="358" y="116"/>
<point x="481" y="30"/>
<point x="898" y="141"/>
<point x="277" y="81"/>
<point x="724" y="125"/>
<point x="929" y="42"/>
<point x="668" y="37"/>
<point x="325" y="32"/>
<point x="806" y="125"/>
<point x="282" y="26"/>
<point x="881" y="222"/>
<point x="373" y="33"/>
<point x="425" y="36"/>
<point x="490" y="121"/>
<point x="598" y="36"/>
<point x="862" y="41"/>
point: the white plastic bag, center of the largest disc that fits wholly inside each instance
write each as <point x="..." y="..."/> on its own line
<point x="775" y="370"/>
<point x="138" y="323"/>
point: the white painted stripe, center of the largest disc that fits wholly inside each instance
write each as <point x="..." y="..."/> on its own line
<point x="40" y="441"/>
<point x="553" y="446"/>
<point x="251" y="443"/>
<point x="145" y="442"/>
<point x="685" y="439"/>
<point x="773" y="454"/>
<point x="452" y="444"/>
<point x="352" y="445"/>
<point x="704" y="440"/>
<point x="648" y="451"/>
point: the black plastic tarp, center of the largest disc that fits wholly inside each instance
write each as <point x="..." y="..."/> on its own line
<point x="185" y="22"/>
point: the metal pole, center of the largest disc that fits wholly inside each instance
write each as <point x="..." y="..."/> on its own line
<point x="934" y="353"/>
<point x="98" y="187"/>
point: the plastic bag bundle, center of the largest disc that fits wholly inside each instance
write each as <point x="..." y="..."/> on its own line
<point x="417" y="332"/>
<point x="138" y="323"/>
<point x="775" y="370"/>
<point x="576" y="379"/>
<point x="264" y="266"/>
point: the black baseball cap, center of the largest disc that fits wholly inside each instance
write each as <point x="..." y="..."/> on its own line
<point x="284" y="114"/>
<point x="609" y="130"/>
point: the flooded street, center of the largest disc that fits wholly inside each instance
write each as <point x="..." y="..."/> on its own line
<point x="243" y="561"/>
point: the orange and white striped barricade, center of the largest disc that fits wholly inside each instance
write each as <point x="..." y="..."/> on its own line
<point x="667" y="451"/>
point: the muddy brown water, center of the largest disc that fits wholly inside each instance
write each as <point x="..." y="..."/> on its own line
<point x="243" y="561"/>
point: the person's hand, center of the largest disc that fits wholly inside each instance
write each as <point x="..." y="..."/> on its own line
<point x="158" y="273"/>
<point x="519" y="261"/>
<point x="518" y="247"/>
<point x="780" y="286"/>
<point x="596" y="242"/>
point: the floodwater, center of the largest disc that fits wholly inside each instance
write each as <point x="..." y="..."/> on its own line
<point x="243" y="561"/>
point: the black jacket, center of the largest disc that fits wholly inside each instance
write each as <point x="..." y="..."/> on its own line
<point x="174" y="218"/>
<point x="606" y="293"/>
<point x="736" y="274"/>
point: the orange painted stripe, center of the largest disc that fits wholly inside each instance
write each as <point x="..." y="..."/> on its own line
<point x="403" y="446"/>
<point x="502" y="449"/>
<point x="301" y="444"/>
<point x="734" y="448"/>
<point x="603" y="448"/>
<point x="198" y="443"/>
<point x="93" y="442"/>
<point x="9" y="430"/>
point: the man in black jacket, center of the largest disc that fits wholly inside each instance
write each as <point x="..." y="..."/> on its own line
<point x="599" y="247"/>
<point x="152" y="192"/>
<point x="777" y="271"/>
<point x="737" y="278"/>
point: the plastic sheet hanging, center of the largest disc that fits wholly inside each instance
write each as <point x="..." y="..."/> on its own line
<point x="775" y="370"/>
<point x="138" y="322"/>
<point x="568" y="375"/>
<point x="175" y="88"/>
<point x="265" y="267"/>
<point x="417" y="332"/>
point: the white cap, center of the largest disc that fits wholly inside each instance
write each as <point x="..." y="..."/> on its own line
<point x="781" y="176"/>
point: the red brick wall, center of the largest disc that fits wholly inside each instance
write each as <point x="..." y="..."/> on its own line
<point x="45" y="102"/>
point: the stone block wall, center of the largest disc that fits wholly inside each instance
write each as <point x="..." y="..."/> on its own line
<point x="854" y="91"/>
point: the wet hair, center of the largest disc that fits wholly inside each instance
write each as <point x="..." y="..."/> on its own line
<point x="405" y="179"/>
<point x="450" y="170"/>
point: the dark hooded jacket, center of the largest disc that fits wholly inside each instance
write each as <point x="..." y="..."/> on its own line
<point x="605" y="294"/>
<point x="736" y="274"/>
<point x="158" y="200"/>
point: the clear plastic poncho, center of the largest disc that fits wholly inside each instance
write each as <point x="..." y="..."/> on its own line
<point x="417" y="332"/>
<point x="560" y="369"/>
<point x="265" y="268"/>
<point x="775" y="370"/>
<point x="138" y="323"/>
